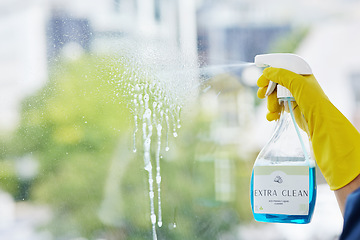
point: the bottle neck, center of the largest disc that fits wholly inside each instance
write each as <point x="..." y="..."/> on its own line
<point x="286" y="103"/>
<point x="285" y="99"/>
<point x="296" y="119"/>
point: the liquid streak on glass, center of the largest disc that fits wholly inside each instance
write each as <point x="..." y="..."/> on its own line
<point x="156" y="109"/>
<point x="147" y="133"/>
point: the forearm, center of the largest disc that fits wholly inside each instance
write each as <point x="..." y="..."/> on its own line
<point x="342" y="193"/>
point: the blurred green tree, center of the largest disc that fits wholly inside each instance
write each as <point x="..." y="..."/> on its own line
<point x="72" y="127"/>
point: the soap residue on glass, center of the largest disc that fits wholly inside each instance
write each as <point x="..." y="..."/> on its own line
<point x="156" y="97"/>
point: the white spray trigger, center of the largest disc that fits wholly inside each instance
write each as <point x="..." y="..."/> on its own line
<point x="288" y="61"/>
<point x="270" y="88"/>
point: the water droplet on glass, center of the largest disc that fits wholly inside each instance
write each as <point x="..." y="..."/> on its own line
<point x="153" y="218"/>
<point x="148" y="167"/>
<point x="147" y="113"/>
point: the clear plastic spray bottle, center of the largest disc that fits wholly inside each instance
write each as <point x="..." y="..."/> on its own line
<point x="283" y="181"/>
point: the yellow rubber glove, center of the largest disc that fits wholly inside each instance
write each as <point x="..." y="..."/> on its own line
<point x="335" y="141"/>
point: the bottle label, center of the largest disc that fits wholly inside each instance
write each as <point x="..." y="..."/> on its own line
<point x="281" y="190"/>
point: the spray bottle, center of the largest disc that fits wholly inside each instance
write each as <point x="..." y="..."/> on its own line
<point x="283" y="182"/>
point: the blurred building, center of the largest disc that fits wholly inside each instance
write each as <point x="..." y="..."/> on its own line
<point x="228" y="32"/>
<point x="333" y="52"/>
<point x="22" y="57"/>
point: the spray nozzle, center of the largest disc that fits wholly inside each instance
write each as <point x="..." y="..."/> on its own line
<point x="288" y="61"/>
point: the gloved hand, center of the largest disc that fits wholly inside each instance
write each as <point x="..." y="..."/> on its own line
<point x="335" y="141"/>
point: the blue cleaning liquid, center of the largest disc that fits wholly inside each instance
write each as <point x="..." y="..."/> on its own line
<point x="283" y="218"/>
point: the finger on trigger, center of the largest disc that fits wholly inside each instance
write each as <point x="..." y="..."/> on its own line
<point x="262" y="81"/>
<point x="272" y="102"/>
<point x="261" y="92"/>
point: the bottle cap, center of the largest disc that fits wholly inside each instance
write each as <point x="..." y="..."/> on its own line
<point x="283" y="92"/>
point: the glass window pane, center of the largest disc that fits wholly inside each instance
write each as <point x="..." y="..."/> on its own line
<point x="139" y="119"/>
